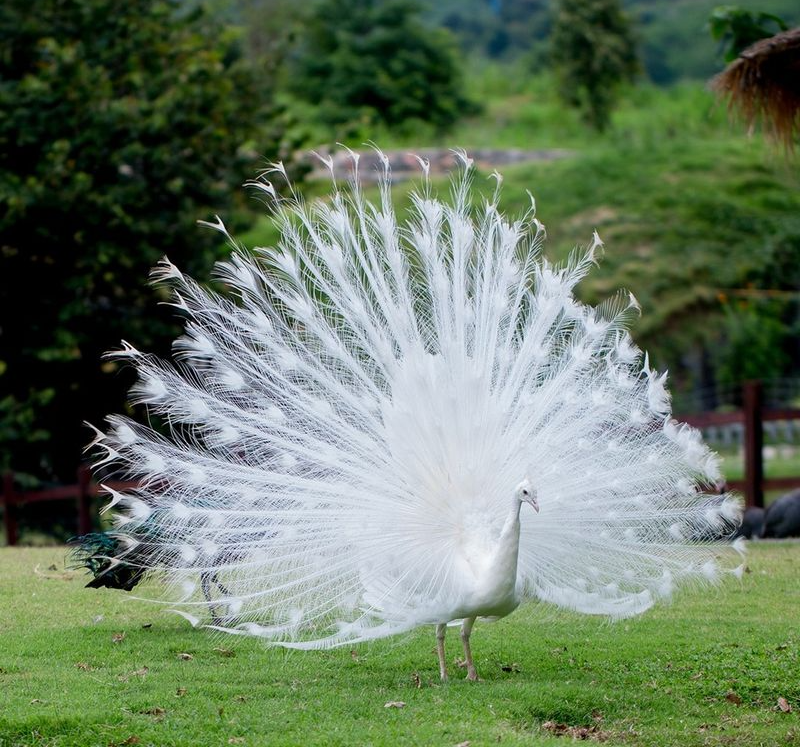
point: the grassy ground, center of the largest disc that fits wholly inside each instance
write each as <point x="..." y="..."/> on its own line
<point x="84" y="667"/>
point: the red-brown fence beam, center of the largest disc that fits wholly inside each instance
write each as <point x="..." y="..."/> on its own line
<point x="59" y="493"/>
<point x="707" y="419"/>
<point x="10" y="506"/>
<point x="781" y="414"/>
<point x="753" y="444"/>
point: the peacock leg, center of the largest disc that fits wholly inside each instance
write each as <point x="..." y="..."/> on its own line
<point x="205" y="585"/>
<point x="466" y="629"/>
<point x="440" y="631"/>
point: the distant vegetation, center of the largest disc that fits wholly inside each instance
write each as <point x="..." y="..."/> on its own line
<point x="593" y="53"/>
<point x="363" y="62"/>
<point x="673" y="33"/>
<point x="124" y="123"/>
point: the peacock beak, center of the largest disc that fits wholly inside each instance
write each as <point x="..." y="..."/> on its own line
<point x="529" y="496"/>
<point x="526" y="493"/>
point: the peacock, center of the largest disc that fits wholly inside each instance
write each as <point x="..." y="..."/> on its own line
<point x="114" y="564"/>
<point x="97" y="552"/>
<point x="384" y="423"/>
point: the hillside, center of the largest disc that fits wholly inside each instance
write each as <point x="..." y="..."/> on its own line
<point x="675" y="43"/>
<point x="700" y="222"/>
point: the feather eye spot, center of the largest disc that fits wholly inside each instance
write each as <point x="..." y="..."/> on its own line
<point x="209" y="548"/>
<point x="226" y="435"/>
<point x="125" y="434"/>
<point x="153" y="463"/>
<point x="196" y="475"/>
<point x="188" y="587"/>
<point x="275" y="415"/>
<point x="287" y="461"/>
<point x="139" y="510"/>
<point x="231" y="379"/>
<point x="181" y="510"/>
<point x="198" y="410"/>
<point x="152" y="388"/>
<point x="216" y="520"/>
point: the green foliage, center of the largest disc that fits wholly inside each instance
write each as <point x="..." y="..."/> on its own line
<point x="497" y="29"/>
<point x="91" y="668"/>
<point x="19" y="424"/>
<point x="362" y="62"/>
<point x="738" y="28"/>
<point x="691" y="211"/>
<point x="123" y="123"/>
<point x="593" y="53"/>
<point x="754" y="348"/>
<point x="673" y="33"/>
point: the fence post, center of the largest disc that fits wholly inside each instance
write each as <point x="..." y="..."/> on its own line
<point x="84" y="494"/>
<point x="753" y="444"/>
<point x="10" y="504"/>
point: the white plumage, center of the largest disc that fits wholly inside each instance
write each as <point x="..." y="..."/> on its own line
<point x="358" y="427"/>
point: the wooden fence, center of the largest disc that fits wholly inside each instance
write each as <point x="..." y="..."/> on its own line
<point x="752" y="417"/>
<point x="82" y="492"/>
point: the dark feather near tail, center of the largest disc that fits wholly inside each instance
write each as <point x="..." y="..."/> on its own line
<point x="97" y="552"/>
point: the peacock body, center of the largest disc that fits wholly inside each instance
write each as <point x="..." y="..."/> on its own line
<point x="385" y="425"/>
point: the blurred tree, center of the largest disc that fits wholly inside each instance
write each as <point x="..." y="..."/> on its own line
<point x="122" y="124"/>
<point x="754" y="344"/>
<point x="593" y="53"/>
<point x="272" y="28"/>
<point x="367" y="61"/>
<point x="736" y="28"/>
<point x="492" y="28"/>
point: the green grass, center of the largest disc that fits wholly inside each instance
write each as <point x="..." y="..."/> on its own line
<point x="775" y="466"/>
<point x="663" y="679"/>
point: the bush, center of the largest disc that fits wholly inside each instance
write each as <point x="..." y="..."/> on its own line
<point x="123" y="123"/>
<point x="366" y="61"/>
<point x="594" y="52"/>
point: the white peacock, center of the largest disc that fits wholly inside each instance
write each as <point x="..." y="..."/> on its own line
<point x="390" y="424"/>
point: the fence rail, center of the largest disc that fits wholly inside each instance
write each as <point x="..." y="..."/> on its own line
<point x="751" y="417"/>
<point x="82" y="492"/>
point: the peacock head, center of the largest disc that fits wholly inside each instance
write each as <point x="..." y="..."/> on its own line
<point x="525" y="493"/>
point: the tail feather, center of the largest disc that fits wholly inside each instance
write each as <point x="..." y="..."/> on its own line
<point x="98" y="553"/>
<point x="370" y="400"/>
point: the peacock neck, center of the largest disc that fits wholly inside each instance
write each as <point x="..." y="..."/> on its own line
<point x="510" y="530"/>
<point x="508" y="543"/>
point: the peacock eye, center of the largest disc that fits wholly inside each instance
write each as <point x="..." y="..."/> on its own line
<point x="525" y="491"/>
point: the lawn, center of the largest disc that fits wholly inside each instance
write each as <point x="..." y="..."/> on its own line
<point x="84" y="667"/>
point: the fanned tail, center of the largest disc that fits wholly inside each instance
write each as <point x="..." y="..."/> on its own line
<point x="361" y="407"/>
<point x="624" y="518"/>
